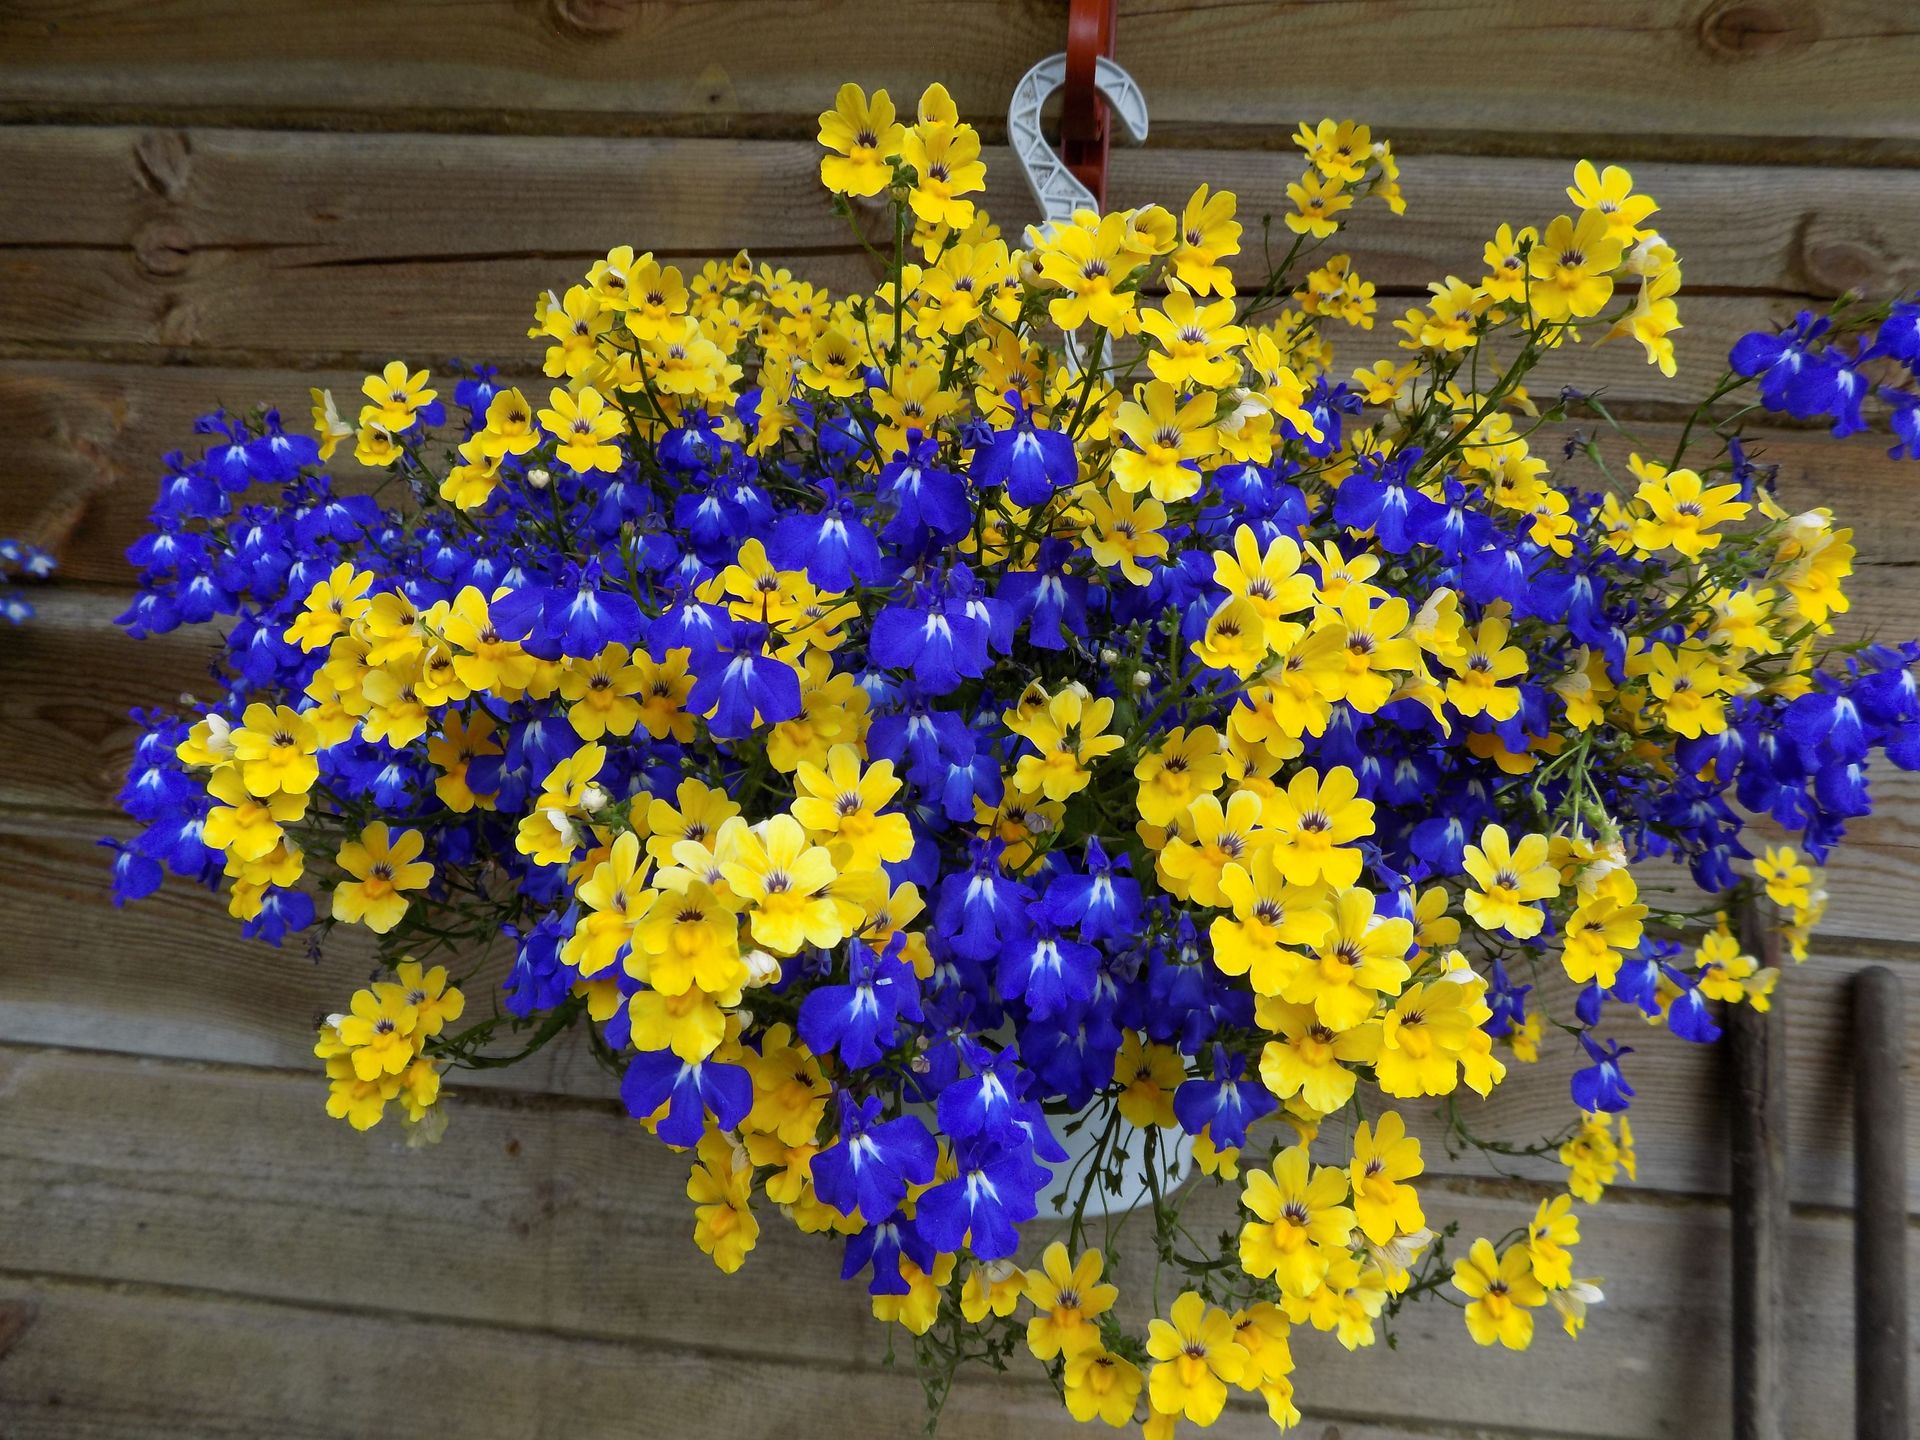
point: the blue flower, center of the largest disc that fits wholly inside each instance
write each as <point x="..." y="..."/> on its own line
<point x="936" y="641"/>
<point x="1101" y="904"/>
<point x="692" y="1090"/>
<point x="1226" y="1104"/>
<point x="867" y="1172"/>
<point x="1030" y="462"/>
<point x="1601" y="1086"/>
<point x="996" y="1190"/>
<point x="741" y="686"/>
<point x="857" y="1020"/>
<point x="1051" y="973"/>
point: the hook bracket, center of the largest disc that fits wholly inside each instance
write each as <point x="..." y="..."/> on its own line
<point x="1057" y="189"/>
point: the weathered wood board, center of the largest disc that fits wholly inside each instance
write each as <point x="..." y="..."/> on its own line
<point x="225" y="201"/>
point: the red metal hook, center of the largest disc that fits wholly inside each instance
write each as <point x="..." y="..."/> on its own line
<point x="1086" y="130"/>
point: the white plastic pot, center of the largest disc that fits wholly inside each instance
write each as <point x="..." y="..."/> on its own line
<point x="1173" y="1155"/>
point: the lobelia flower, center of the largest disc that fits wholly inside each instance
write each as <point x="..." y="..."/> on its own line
<point x="868" y="1170"/>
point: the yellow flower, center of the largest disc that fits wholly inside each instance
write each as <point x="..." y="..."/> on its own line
<point x="331" y="607"/>
<point x="920" y="1306"/>
<point x="789" y="1090"/>
<point x="946" y="160"/>
<point x="1270" y="580"/>
<point x="1788" y="878"/>
<point x="274" y="748"/>
<point x="1147" y="1075"/>
<point x="1338" y="149"/>
<point x="1431" y="1034"/>
<point x="1571" y="267"/>
<point x="689" y="1024"/>
<point x="327" y="424"/>
<point x="1208" y="235"/>
<point x="1223" y="837"/>
<point x="1500" y="1290"/>
<point x="1316" y="201"/>
<point x="1122" y="531"/>
<point x="689" y="940"/>
<point x="1510" y="879"/>
<point x="1170" y="436"/>
<point x="434" y="1001"/>
<point x="1309" y="1060"/>
<point x="1482" y="670"/>
<point x="1654" y="318"/>
<point x="1452" y="315"/>
<point x="1316" y="822"/>
<point x="1069" y="1297"/>
<point x="1384" y="1155"/>
<point x="1195" y="340"/>
<point x="1177" y="771"/>
<point x="1374" y="641"/>
<point x="1235" y="638"/>
<point x="863" y="135"/>
<point x="600" y="693"/>
<point x="247" y="827"/>
<point x="1301" y="1222"/>
<point x="586" y="426"/>
<point x="783" y="878"/>
<point x="381" y="1032"/>
<point x="383" y="866"/>
<point x="1070" y="735"/>
<point x="1689" y="686"/>
<point x="992" y="1287"/>
<point x="1594" y="1158"/>
<point x="1362" y="957"/>
<point x="955" y="292"/>
<point x="1684" y="513"/>
<point x="840" y="807"/>
<point x="1506" y="277"/>
<point x="1099" y="1383"/>
<point x="720" y="1186"/>
<point x="1271" y="918"/>
<point x="1551" y="1235"/>
<point x="1609" y="192"/>
<point x="1088" y="258"/>
<point x="395" y="395"/>
<point x="1197" y="1357"/>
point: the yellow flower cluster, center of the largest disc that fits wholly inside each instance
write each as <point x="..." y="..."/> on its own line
<point x="373" y="1053"/>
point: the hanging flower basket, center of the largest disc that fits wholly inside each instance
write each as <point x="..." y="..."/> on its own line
<point x="910" y="748"/>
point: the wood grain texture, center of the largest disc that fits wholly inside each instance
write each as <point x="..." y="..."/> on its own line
<point x="561" y="1223"/>
<point x="224" y="201"/>
<point x="216" y="245"/>
<point x="171" y="976"/>
<point x="193" y="1366"/>
<point x="1714" y="77"/>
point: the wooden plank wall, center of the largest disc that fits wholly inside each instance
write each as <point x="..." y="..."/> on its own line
<point x="208" y="200"/>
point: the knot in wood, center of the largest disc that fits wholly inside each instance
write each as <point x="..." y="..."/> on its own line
<point x="1747" y="29"/>
<point x="593" y="18"/>
<point x="163" y="247"/>
<point x="163" y="159"/>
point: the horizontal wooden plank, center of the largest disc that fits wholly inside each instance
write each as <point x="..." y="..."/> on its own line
<point x="178" y="200"/>
<point x="565" y="1223"/>
<point x="217" y="245"/>
<point x="177" y="1365"/>
<point x="171" y="976"/>
<point x="1664" y="74"/>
